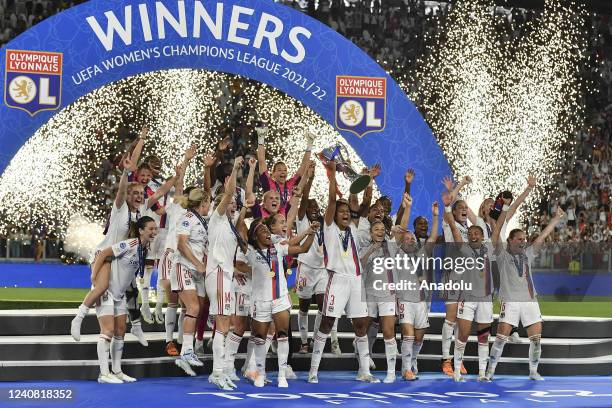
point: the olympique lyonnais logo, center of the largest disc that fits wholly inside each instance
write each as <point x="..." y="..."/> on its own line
<point x="33" y="80"/>
<point x="361" y="104"/>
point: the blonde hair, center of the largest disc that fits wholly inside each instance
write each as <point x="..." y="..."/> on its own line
<point x="132" y="185"/>
<point x="194" y="199"/>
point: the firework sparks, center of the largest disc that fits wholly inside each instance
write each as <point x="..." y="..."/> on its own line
<point x="502" y="108"/>
<point x="47" y="182"/>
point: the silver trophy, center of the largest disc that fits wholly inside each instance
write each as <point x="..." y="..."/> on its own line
<point x="339" y="154"/>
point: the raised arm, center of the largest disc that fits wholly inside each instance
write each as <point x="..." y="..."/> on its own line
<point x="454" y="192"/>
<point x="449" y="219"/>
<point x="262" y="132"/>
<point x="310" y="137"/>
<point x="164" y="188"/>
<point x="305" y="246"/>
<point x="531" y="183"/>
<point x="135" y="148"/>
<point x="435" y="217"/>
<point x="179" y="185"/>
<point x="330" y="211"/>
<point x="209" y="165"/>
<point x="364" y="208"/>
<point x="406" y="208"/>
<point x="408" y="178"/>
<point x="549" y="228"/>
<point x="306" y="191"/>
<point x="296" y="197"/>
<point x="250" y="177"/>
<point x="230" y="187"/>
<point x="495" y="237"/>
<point x="123" y="182"/>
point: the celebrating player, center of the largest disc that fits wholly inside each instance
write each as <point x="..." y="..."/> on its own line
<point x="344" y="286"/>
<point x="223" y="240"/>
<point x="126" y="260"/>
<point x="270" y="296"/>
<point x="413" y="303"/>
<point x="517" y="292"/>
<point x="188" y="275"/>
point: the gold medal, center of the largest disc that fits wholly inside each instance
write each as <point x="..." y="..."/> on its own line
<point x="289" y="272"/>
<point x="272" y="274"/>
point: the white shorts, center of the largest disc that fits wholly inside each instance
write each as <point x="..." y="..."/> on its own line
<point x="480" y="312"/>
<point x="183" y="278"/>
<point x="242" y="304"/>
<point x="310" y="281"/>
<point x="263" y="310"/>
<point x="220" y="289"/>
<point x="343" y="293"/>
<point x="527" y="313"/>
<point x="166" y="263"/>
<point x="110" y="307"/>
<point x="414" y="313"/>
<point x="376" y="309"/>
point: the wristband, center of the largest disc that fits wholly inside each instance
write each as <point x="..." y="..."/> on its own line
<point x="261" y="140"/>
<point x="448" y="209"/>
<point x="354" y="214"/>
<point x="506" y="207"/>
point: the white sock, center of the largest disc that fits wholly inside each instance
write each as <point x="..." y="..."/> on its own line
<point x="144" y="295"/>
<point x="363" y="351"/>
<point x="407" y="350"/>
<point x="249" y="362"/>
<point x="317" y="351"/>
<point x="372" y="334"/>
<point x="447" y="338"/>
<point x="82" y="312"/>
<point x="260" y="355"/>
<point x="496" y="352"/>
<point x="303" y="325"/>
<point x="483" y="358"/>
<point x="169" y="321"/>
<point x="317" y="323"/>
<point x="391" y="352"/>
<point x="334" y="330"/>
<point x="104" y="343"/>
<point x="187" y="346"/>
<point x="535" y="350"/>
<point x="269" y="339"/>
<point x="283" y="354"/>
<point x="161" y="295"/>
<point x="180" y="322"/>
<point x="416" y="349"/>
<point x="231" y="348"/>
<point x="218" y="349"/>
<point x="459" y="350"/>
<point x="116" y="353"/>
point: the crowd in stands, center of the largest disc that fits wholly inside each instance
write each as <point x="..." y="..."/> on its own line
<point x="394" y="32"/>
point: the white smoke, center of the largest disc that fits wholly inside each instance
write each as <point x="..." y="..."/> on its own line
<point x="82" y="236"/>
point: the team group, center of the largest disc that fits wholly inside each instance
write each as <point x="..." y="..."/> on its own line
<point x="223" y="256"/>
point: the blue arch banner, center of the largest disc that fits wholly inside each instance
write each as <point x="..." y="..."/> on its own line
<point x="99" y="42"/>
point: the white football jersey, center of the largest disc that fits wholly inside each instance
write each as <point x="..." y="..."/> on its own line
<point x="197" y="232"/>
<point x="268" y="272"/>
<point x="124" y="267"/>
